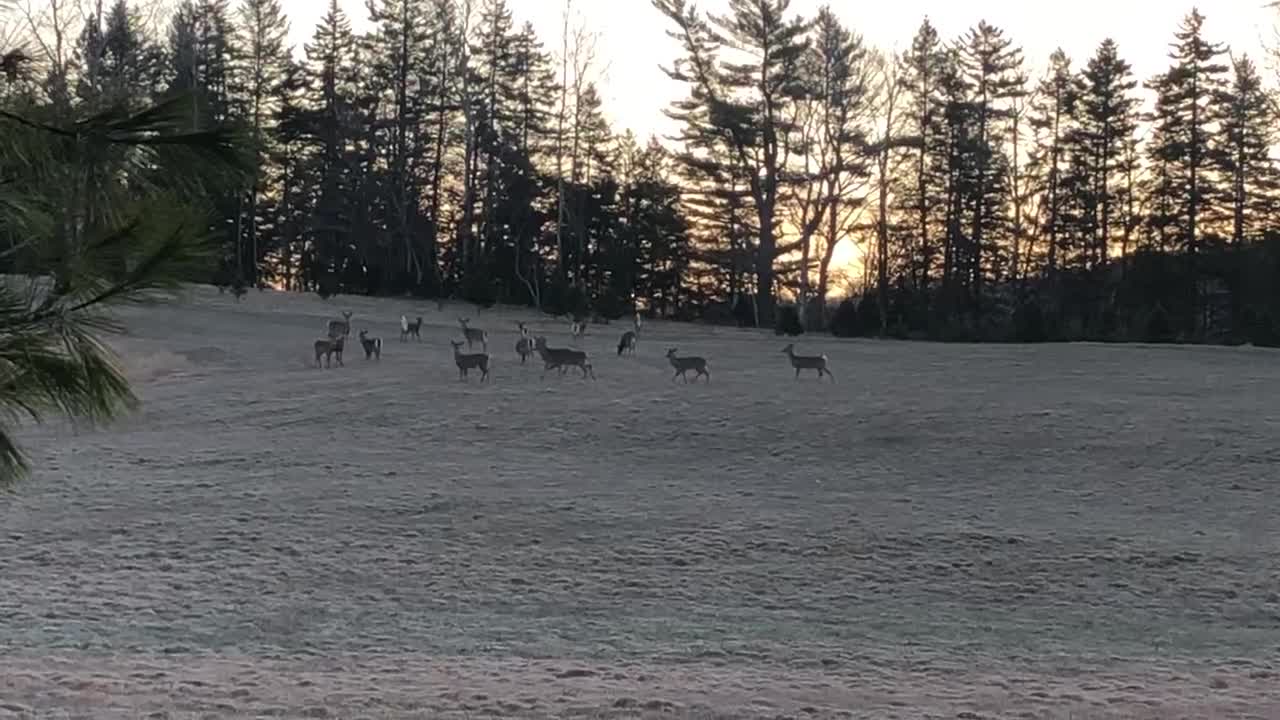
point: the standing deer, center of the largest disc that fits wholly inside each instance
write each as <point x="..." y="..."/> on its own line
<point x="372" y="346"/>
<point x="410" y="329"/>
<point x="524" y="346"/>
<point x="328" y="348"/>
<point x="474" y="335"/>
<point x="627" y="343"/>
<point x="685" y="364"/>
<point x="577" y="329"/>
<point x="466" y="362"/>
<point x="808" y="362"/>
<point x="340" y="328"/>
<point x="637" y="322"/>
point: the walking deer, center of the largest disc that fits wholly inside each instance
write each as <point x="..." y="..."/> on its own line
<point x="808" y="362"/>
<point x="685" y="364"/>
<point x="563" y="358"/>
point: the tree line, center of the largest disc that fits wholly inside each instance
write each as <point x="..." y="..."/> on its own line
<point x="447" y="151"/>
<point x="992" y="203"/>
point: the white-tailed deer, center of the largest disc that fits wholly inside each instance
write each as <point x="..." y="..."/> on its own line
<point x="627" y="343"/>
<point x="637" y="322"/>
<point x="524" y="346"/>
<point x="563" y="358"/>
<point x="685" y="364"/>
<point x="329" y="348"/>
<point x="467" y="362"/>
<point x="577" y="329"/>
<point x="410" y="329"/>
<point x="474" y="335"/>
<point x="808" y="362"/>
<point x="372" y="346"/>
<point x="340" y="328"/>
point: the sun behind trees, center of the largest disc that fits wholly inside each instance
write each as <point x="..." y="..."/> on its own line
<point x="987" y="206"/>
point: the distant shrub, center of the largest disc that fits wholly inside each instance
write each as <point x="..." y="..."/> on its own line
<point x="326" y="286"/>
<point x="1159" y="327"/>
<point x="1028" y="323"/>
<point x="869" y="315"/>
<point x="611" y="306"/>
<point x="787" y="321"/>
<point x="1263" y="330"/>
<point x="744" y="311"/>
<point x="844" y="321"/>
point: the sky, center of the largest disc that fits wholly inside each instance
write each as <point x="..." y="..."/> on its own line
<point x="632" y="42"/>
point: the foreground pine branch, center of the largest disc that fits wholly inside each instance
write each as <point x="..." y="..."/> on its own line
<point x="83" y="239"/>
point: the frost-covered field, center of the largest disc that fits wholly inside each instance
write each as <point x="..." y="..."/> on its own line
<point x="949" y="531"/>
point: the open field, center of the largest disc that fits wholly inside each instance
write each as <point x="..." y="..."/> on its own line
<point x="948" y="531"/>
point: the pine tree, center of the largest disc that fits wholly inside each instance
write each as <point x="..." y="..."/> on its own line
<point x="749" y="103"/>
<point x="400" y="52"/>
<point x="333" y="126"/>
<point x="923" y="195"/>
<point x="1108" y="115"/>
<point x="993" y="69"/>
<point x="1246" y="118"/>
<point x="1184" y="125"/>
<point x="841" y="76"/>
<point x="653" y="228"/>
<point x="1052" y="120"/>
<point x="263" y="68"/>
<point x="119" y="64"/>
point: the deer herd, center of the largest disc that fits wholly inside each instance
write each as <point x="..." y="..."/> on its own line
<point x="330" y="347"/>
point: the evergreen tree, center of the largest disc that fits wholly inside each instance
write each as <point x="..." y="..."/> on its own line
<point x="993" y="69"/>
<point x="333" y="125"/>
<point x="119" y="64"/>
<point x="263" y="68"/>
<point x="1108" y="116"/>
<point x="1189" y="194"/>
<point x="840" y="75"/>
<point x="749" y="103"/>
<point x="923" y="195"/>
<point x="400" y="53"/>
<point x="1246" y="118"/>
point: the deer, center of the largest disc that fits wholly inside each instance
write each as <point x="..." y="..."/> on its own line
<point x="685" y="364"/>
<point x="467" y="362"/>
<point x="372" y="346"/>
<point x="410" y="329"/>
<point x="577" y="329"/>
<point x="628" y="342"/>
<point x="340" y="328"/>
<point x="328" y="348"/>
<point x="474" y="335"/>
<point x="563" y="358"/>
<point x="637" y="322"/>
<point x="808" y="362"/>
<point x="524" y="346"/>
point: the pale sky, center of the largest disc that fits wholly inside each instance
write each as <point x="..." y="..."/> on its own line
<point x="632" y="40"/>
